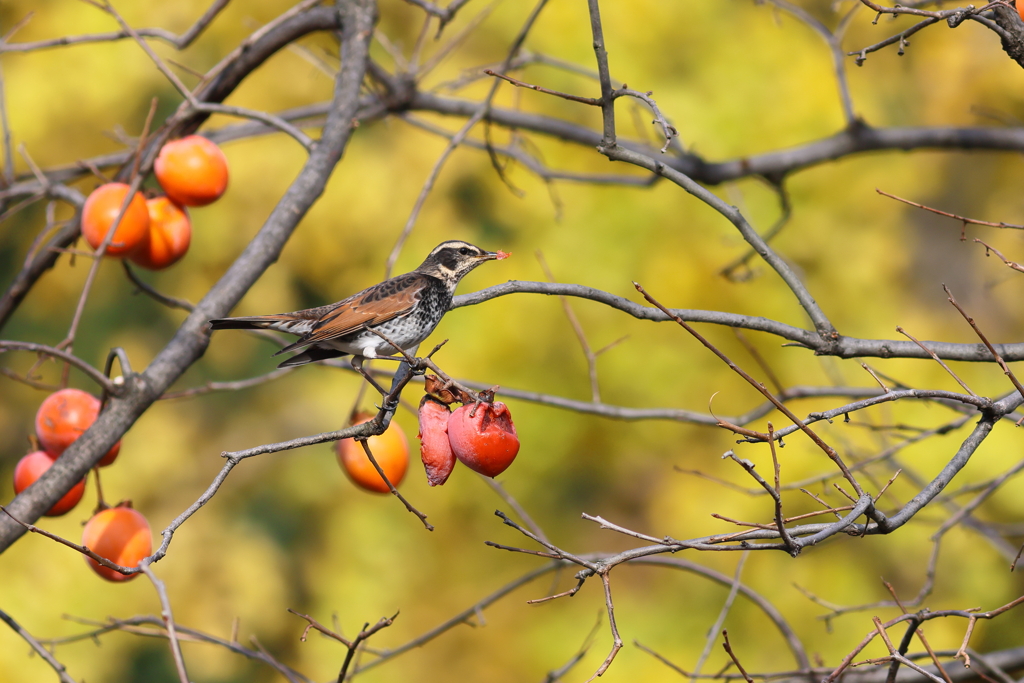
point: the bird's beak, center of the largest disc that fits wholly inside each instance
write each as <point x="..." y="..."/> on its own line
<point x="496" y="255"/>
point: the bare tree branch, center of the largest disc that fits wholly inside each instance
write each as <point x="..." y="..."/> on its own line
<point x="189" y="343"/>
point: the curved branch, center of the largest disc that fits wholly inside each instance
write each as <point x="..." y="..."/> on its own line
<point x="188" y="344"/>
<point x="841" y="347"/>
<point x="179" y="42"/>
<point x="47" y="657"/>
<point x="792" y="640"/>
<point x="460" y="618"/>
<point x="69" y="358"/>
<point x="270" y="40"/>
<point x="636" y="310"/>
<point x="941" y="480"/>
<point x="855" y="139"/>
<point x="46" y="256"/>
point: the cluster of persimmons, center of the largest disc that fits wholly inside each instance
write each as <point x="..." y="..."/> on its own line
<point x="119" y="534"/>
<point x="480" y="434"/>
<point x="155" y="233"/>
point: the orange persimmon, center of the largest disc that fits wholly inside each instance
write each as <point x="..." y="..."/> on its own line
<point x="168" y="237"/>
<point x="193" y="171"/>
<point x="390" y="450"/>
<point x="119" y="534"/>
<point x="101" y="210"/>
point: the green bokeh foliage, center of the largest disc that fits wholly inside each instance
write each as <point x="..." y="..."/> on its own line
<point x="289" y="531"/>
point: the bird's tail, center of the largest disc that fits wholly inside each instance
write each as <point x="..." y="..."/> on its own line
<point x="282" y="322"/>
<point x="253" y="323"/>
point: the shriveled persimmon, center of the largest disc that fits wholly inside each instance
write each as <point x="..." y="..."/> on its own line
<point x="101" y="210"/>
<point x="31" y="467"/>
<point x="483" y="437"/>
<point x="63" y="417"/>
<point x="120" y="534"/>
<point x="390" y="450"/>
<point x="435" y="449"/>
<point x="168" y="237"/>
<point x="193" y="171"/>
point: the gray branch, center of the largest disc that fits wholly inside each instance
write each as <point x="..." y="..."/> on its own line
<point x="357" y="19"/>
<point x="842" y="346"/>
<point x="235" y="70"/>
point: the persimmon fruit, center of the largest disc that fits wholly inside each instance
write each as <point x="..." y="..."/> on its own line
<point x="101" y="210"/>
<point x="435" y="449"/>
<point x="31" y="467"/>
<point x="120" y="534"/>
<point x="193" y="171"/>
<point x="390" y="450"/>
<point x="483" y="437"/>
<point x="63" y="416"/>
<point x="168" y="237"/>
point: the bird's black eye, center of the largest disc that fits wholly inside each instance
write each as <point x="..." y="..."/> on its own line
<point x="464" y="251"/>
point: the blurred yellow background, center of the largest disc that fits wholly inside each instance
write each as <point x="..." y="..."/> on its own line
<point x="290" y="531"/>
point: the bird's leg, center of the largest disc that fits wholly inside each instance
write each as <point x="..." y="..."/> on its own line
<point x="357" y="365"/>
<point x="417" y="365"/>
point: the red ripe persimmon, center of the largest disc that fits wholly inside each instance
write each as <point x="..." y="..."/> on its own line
<point x="30" y="468"/>
<point x="483" y="437"/>
<point x="63" y="416"/>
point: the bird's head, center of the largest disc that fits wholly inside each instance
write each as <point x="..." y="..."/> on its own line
<point x="451" y="260"/>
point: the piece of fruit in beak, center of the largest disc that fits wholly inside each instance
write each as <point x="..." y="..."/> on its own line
<point x="502" y="255"/>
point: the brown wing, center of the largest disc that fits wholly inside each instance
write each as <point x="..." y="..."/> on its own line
<point x="389" y="300"/>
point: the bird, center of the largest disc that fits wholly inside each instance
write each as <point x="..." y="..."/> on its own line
<point x="405" y="309"/>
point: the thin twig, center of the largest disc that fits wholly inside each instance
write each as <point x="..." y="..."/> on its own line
<point x="391" y="487"/>
<point x="514" y="504"/>
<point x="1011" y="264"/>
<point x="168" y="617"/>
<point x="180" y="42"/>
<point x="717" y="626"/>
<point x="829" y="451"/>
<point x="986" y="342"/>
<point x="732" y="655"/>
<point x="66" y="356"/>
<point x="127" y="571"/>
<point x="594" y="102"/>
<point x="169" y="301"/>
<point x="937" y="360"/>
<point x="482" y="110"/>
<point x="616" y="638"/>
<point x="47" y="657"/>
<point x="962" y="219"/>
<point x="920" y="634"/>
<point x="577" y="328"/>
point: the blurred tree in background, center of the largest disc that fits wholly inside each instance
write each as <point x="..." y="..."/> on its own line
<point x="769" y="128"/>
